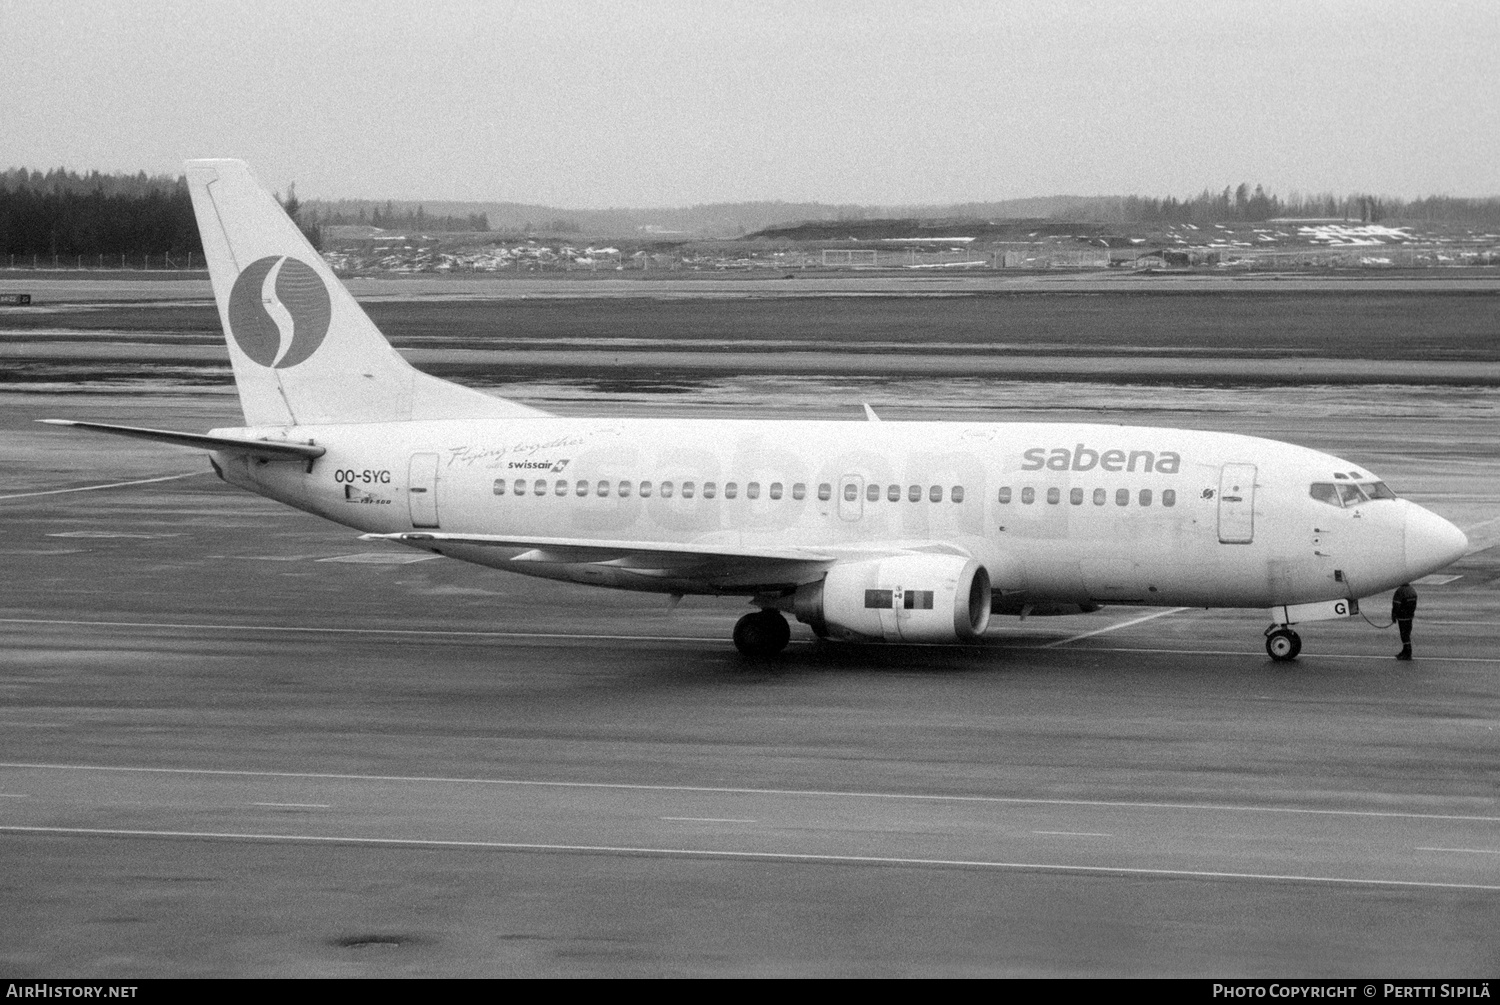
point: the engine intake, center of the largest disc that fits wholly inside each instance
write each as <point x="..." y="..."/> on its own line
<point x="905" y="598"/>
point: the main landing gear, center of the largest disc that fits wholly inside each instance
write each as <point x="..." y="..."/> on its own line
<point x="762" y="634"/>
<point x="1282" y="644"/>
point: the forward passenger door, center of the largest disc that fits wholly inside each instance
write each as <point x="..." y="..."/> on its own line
<point x="1237" y="504"/>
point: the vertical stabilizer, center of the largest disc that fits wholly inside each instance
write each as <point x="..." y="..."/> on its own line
<point x="304" y="352"/>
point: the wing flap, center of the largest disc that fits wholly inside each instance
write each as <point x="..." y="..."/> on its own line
<point x="640" y="554"/>
<point x="280" y="449"/>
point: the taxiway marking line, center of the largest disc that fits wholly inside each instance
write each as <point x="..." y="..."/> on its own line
<point x="96" y="488"/>
<point x="15" y="795"/>
<point x="728" y="790"/>
<point x="1466" y="851"/>
<point x="709" y="820"/>
<point x="360" y="631"/>
<point x="1116" y="627"/>
<point x="446" y="633"/>
<point x="303" y="806"/>
<point x="1076" y="834"/>
<point x="754" y="856"/>
<point x="1260" y="654"/>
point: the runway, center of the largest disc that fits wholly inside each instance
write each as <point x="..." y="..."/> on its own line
<point x="236" y="740"/>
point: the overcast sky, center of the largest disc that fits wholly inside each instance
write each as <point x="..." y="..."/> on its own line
<point x="601" y="104"/>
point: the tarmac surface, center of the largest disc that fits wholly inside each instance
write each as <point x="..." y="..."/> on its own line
<point x="237" y="741"/>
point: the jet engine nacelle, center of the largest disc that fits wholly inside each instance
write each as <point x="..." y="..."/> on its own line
<point x="905" y="598"/>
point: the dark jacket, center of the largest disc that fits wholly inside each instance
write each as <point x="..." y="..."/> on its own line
<point x="1404" y="603"/>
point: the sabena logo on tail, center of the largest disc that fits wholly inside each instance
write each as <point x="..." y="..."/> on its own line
<point x="279" y="311"/>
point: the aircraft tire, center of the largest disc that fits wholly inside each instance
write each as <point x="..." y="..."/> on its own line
<point x="762" y="634"/>
<point x="1283" y="645"/>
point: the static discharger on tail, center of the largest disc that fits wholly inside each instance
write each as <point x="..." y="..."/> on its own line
<point x="865" y="531"/>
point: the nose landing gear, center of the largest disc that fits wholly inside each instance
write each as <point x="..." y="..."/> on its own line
<point x="1282" y="644"/>
<point x="761" y="634"/>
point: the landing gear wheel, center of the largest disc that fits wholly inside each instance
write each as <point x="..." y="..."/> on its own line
<point x="762" y="634"/>
<point x="1283" y="645"/>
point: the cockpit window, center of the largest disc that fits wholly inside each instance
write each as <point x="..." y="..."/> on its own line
<point x="1350" y="494"/>
<point x="1345" y="494"/>
<point x="1325" y="492"/>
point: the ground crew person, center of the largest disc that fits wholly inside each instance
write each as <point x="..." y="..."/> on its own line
<point x="1403" y="609"/>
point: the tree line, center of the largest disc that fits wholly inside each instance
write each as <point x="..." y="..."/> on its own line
<point x="391" y="216"/>
<point x="1244" y="204"/>
<point x="68" y="214"/>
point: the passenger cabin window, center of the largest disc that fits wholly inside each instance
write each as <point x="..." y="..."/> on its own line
<point x="893" y="494"/>
<point x="499" y="486"/>
<point x="752" y="491"/>
<point x="602" y="489"/>
<point x="872" y="492"/>
<point x="1100" y="496"/>
<point x="1076" y="497"/>
<point x="687" y="490"/>
<point x="710" y="490"/>
<point x="624" y="489"/>
<point x="540" y="488"/>
<point x="1054" y="496"/>
<point x="851" y="492"/>
<point x="560" y="488"/>
<point x="582" y="488"/>
<point x="1028" y="495"/>
<point x="914" y="493"/>
<point x="731" y="489"/>
<point x="799" y="491"/>
<point x="775" y="490"/>
<point x="1169" y="497"/>
<point x="957" y="494"/>
<point x="1005" y="493"/>
<point x="1122" y="497"/>
<point x="645" y="490"/>
<point x="935" y="494"/>
<point x="825" y="491"/>
<point x="666" y="490"/>
<point x="519" y="488"/>
<point x="1145" y="497"/>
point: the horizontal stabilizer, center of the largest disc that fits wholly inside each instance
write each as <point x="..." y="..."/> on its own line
<point x="279" y="449"/>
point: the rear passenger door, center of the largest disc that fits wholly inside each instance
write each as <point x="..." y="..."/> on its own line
<point x="421" y="490"/>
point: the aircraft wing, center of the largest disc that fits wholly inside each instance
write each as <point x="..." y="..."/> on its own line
<point x="718" y="566"/>
<point x="277" y="449"/>
<point x="711" y="565"/>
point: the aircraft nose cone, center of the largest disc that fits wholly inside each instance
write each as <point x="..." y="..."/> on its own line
<point x="1431" y="542"/>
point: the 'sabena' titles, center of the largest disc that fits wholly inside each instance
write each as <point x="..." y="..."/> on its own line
<point x="1081" y="458"/>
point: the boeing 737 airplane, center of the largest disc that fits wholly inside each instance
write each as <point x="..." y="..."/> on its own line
<point x="865" y="531"/>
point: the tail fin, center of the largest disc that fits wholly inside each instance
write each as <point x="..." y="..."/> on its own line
<point x="303" y="350"/>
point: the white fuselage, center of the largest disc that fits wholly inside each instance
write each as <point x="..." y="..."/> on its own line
<point x="1058" y="513"/>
